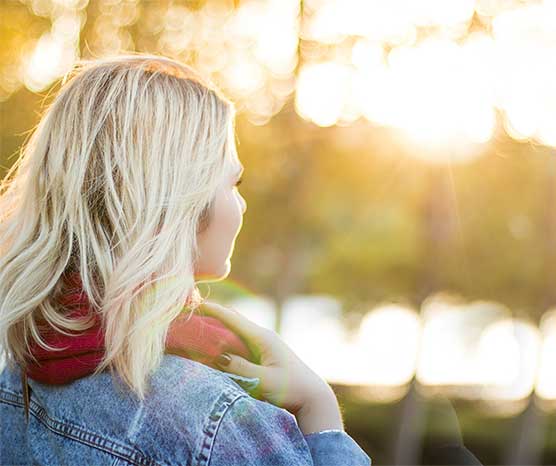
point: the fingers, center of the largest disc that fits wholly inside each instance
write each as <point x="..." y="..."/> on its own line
<point x="252" y="334"/>
<point x="241" y="366"/>
<point x="233" y="319"/>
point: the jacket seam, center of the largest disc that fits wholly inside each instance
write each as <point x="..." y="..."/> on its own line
<point x="222" y="405"/>
<point x="78" y="434"/>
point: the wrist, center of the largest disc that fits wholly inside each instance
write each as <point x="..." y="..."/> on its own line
<point x="320" y="412"/>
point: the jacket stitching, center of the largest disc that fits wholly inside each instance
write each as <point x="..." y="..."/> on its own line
<point x="226" y="399"/>
<point x="78" y="434"/>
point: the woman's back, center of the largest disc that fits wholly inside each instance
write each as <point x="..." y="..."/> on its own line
<point x="92" y="420"/>
<point x="194" y="415"/>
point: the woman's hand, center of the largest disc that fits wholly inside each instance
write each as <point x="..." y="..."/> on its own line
<point x="285" y="380"/>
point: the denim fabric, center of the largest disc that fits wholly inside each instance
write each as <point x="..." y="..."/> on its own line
<point x="193" y="415"/>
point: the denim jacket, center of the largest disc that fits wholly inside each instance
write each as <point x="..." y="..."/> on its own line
<point x="194" y="415"/>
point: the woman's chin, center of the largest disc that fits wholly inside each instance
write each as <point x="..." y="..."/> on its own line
<point x="215" y="276"/>
<point x="226" y="270"/>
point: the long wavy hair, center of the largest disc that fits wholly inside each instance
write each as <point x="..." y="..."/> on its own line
<point x="114" y="183"/>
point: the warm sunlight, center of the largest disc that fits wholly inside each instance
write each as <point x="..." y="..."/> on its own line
<point x="388" y="339"/>
<point x="418" y="67"/>
<point x="451" y="336"/>
<point x="546" y="378"/>
<point x="507" y="359"/>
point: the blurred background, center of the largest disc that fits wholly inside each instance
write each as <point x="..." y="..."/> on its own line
<point x="400" y="176"/>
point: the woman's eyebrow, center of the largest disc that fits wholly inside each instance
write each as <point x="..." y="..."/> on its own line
<point x="240" y="171"/>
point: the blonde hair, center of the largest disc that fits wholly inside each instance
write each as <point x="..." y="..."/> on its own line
<point x="115" y="182"/>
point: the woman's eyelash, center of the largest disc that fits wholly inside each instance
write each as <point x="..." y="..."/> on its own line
<point x="239" y="181"/>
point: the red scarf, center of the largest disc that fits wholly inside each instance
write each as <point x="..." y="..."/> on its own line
<point x="192" y="336"/>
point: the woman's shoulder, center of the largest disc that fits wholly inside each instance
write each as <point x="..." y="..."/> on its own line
<point x="176" y="373"/>
<point x="181" y="395"/>
<point x="192" y="392"/>
<point x="185" y="403"/>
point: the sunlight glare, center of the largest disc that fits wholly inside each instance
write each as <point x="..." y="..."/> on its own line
<point x="546" y="376"/>
<point x="312" y="326"/>
<point x="260" y="310"/>
<point x="387" y="344"/>
<point x="451" y="333"/>
<point x="46" y="63"/>
<point x="507" y="359"/>
<point x="322" y="91"/>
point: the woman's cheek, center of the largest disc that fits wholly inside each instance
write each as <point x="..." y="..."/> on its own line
<point x="232" y="210"/>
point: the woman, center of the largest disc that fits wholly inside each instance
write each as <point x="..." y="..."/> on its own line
<point x="126" y="195"/>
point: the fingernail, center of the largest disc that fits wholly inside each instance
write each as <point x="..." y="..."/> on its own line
<point x="223" y="360"/>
